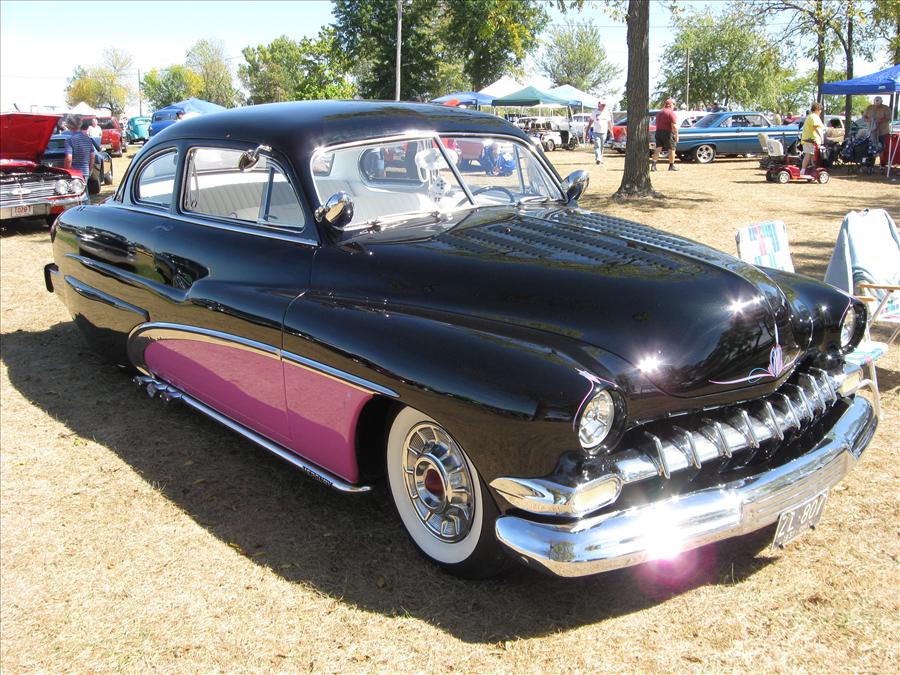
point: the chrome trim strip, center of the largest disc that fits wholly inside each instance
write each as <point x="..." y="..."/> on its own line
<point x="169" y="393"/>
<point x="92" y="293"/>
<point x="539" y="495"/>
<point x="636" y="535"/>
<point x="148" y="332"/>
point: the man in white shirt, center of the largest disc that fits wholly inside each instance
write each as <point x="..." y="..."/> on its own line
<point x="95" y="132"/>
<point x="599" y="123"/>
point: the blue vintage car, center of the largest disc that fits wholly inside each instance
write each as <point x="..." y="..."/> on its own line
<point x="731" y="133"/>
<point x="137" y="129"/>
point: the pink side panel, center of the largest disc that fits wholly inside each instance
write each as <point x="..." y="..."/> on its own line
<point x="245" y="386"/>
<point x="322" y="415"/>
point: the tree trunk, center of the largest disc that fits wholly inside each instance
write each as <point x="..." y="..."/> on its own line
<point x="820" y="50"/>
<point x="636" y="177"/>
<point x="848" y="101"/>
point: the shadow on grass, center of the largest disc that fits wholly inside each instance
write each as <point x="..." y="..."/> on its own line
<point x="350" y="548"/>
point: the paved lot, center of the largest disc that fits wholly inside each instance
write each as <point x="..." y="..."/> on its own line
<point x="139" y="537"/>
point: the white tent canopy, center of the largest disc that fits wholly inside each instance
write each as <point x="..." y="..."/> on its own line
<point x="84" y="109"/>
<point x="502" y="87"/>
<point x="570" y="93"/>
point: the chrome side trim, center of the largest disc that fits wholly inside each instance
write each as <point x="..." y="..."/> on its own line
<point x="168" y="393"/>
<point x="665" y="528"/>
<point x="92" y="293"/>
<point x="142" y="335"/>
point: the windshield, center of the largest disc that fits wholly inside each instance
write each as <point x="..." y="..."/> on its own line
<point x="708" y="121"/>
<point x="388" y="179"/>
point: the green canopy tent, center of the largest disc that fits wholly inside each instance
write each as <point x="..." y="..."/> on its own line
<point x="530" y="97"/>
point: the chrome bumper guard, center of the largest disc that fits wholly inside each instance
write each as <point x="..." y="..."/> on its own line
<point x="631" y="536"/>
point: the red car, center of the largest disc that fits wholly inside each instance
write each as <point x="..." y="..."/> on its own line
<point x="686" y="118"/>
<point x="112" y="140"/>
<point x="28" y="187"/>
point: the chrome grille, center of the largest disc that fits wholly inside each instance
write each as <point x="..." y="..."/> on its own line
<point x="737" y="429"/>
<point x="20" y="191"/>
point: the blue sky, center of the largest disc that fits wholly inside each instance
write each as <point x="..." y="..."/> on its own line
<point x="159" y="33"/>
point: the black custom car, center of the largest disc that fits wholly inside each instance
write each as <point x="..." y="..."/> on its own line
<point x="577" y="391"/>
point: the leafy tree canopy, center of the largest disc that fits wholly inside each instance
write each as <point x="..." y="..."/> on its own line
<point x="575" y="56"/>
<point x="285" y="70"/>
<point x="170" y="85"/>
<point x="208" y="60"/>
<point x="103" y="86"/>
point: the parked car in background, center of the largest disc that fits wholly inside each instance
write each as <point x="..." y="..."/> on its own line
<point x="529" y="378"/>
<point x="111" y="139"/>
<point x="137" y="129"/>
<point x="732" y="133"/>
<point x="686" y="118"/>
<point x="160" y="120"/>
<point x="29" y="187"/>
<point x="101" y="174"/>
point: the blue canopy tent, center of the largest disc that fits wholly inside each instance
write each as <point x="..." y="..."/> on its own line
<point x="470" y="98"/>
<point x="885" y="81"/>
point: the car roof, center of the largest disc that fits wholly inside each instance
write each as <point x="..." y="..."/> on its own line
<point x="298" y="128"/>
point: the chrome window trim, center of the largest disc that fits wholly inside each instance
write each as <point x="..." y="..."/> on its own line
<point x="185" y="186"/>
<point x="136" y="181"/>
<point x="145" y="333"/>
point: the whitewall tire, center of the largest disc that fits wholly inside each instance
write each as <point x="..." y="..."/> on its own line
<point x="443" y="504"/>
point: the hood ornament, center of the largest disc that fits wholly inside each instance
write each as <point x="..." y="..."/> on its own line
<point x="776" y="368"/>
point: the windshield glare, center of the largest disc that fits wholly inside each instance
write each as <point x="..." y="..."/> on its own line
<point x="392" y="178"/>
<point x="708" y="121"/>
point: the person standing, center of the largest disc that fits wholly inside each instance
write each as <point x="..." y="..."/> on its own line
<point x="599" y="125"/>
<point x="812" y="135"/>
<point x="878" y="115"/>
<point x="666" y="134"/>
<point x="95" y="132"/>
<point x="79" y="149"/>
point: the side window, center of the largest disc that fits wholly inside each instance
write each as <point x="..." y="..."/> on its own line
<point x="156" y="180"/>
<point x="755" y="121"/>
<point x="262" y="194"/>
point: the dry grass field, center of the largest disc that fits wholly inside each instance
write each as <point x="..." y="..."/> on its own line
<point x="138" y="537"/>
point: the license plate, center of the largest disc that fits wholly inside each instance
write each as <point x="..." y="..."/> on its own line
<point x="793" y="523"/>
<point x="19" y="211"/>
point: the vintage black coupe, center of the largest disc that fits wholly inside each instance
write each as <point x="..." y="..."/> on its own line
<point x="576" y="391"/>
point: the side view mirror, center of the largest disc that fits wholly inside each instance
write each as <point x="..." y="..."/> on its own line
<point x="250" y="158"/>
<point x="575" y="184"/>
<point x="337" y="211"/>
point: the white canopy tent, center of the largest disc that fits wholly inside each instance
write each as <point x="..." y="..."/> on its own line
<point x="84" y="109"/>
<point x="502" y="87"/>
<point x="572" y="94"/>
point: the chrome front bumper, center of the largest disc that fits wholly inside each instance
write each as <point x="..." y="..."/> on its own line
<point x="635" y="535"/>
<point x="40" y="206"/>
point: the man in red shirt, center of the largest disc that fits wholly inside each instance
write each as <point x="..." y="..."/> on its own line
<point x="666" y="134"/>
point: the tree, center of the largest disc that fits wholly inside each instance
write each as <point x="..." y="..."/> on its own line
<point x="575" y="56"/>
<point x="103" y="86"/>
<point x="285" y="70"/>
<point x="493" y="37"/>
<point x="885" y="18"/>
<point x="207" y="59"/>
<point x="170" y="85"/>
<point x="636" y="176"/>
<point x="732" y="60"/>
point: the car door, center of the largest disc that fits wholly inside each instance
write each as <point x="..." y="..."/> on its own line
<point x="751" y="126"/>
<point x="234" y="254"/>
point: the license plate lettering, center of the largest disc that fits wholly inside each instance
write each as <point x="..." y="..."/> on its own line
<point x="794" y="522"/>
<point x="20" y="211"/>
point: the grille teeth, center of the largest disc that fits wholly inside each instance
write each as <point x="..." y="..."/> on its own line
<point x="740" y="432"/>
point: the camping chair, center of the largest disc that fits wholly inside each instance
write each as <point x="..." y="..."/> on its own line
<point x="766" y="245"/>
<point x="866" y="258"/>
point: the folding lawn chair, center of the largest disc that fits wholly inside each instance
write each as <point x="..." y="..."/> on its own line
<point x="773" y="149"/>
<point x="766" y="245"/>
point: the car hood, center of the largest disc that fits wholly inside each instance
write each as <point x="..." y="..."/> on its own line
<point x="25" y="135"/>
<point x="690" y="319"/>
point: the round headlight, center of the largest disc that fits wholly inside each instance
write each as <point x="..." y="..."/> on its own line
<point x="848" y="327"/>
<point x="76" y="185"/>
<point x="60" y="187"/>
<point x="596" y="420"/>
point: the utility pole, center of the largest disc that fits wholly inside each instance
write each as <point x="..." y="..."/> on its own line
<point x="687" y="92"/>
<point x="140" y="100"/>
<point x="399" y="37"/>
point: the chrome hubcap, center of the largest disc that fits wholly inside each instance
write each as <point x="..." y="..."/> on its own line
<point x="438" y="482"/>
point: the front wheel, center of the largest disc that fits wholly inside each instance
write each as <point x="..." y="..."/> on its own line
<point x="704" y="154"/>
<point x="551" y="146"/>
<point x="823" y="177"/>
<point x="443" y="504"/>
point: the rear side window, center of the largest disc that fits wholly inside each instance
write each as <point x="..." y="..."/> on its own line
<point x="262" y="195"/>
<point x="156" y="181"/>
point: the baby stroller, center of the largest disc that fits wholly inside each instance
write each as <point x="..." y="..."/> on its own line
<point x="860" y="151"/>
